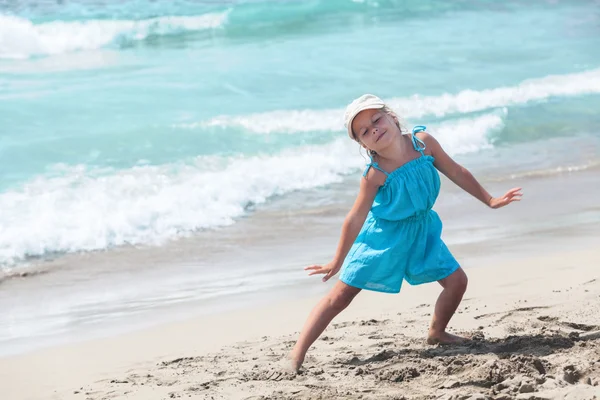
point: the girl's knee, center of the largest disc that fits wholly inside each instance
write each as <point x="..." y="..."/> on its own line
<point x="462" y="281"/>
<point x="339" y="302"/>
<point x="457" y="281"/>
<point x="340" y="299"/>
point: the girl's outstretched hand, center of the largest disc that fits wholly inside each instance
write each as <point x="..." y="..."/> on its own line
<point x="329" y="269"/>
<point x="507" y="198"/>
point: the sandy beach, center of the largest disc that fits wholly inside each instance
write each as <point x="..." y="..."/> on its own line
<point x="169" y="168"/>
<point x="534" y="324"/>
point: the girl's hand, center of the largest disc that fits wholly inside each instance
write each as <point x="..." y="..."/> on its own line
<point x="508" y="197"/>
<point x="329" y="269"/>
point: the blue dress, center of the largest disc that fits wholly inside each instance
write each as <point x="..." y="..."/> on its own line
<point x="401" y="236"/>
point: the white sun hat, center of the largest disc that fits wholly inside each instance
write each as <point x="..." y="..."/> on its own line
<point x="364" y="102"/>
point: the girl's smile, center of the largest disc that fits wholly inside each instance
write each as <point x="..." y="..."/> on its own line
<point x="379" y="136"/>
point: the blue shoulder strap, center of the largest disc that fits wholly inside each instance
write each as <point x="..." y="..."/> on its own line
<point x="418" y="143"/>
<point x="374" y="165"/>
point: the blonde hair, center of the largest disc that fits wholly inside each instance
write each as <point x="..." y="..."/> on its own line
<point x="391" y="113"/>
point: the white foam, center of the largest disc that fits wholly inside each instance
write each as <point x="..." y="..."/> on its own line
<point x="20" y="38"/>
<point x="469" y="135"/>
<point x="467" y="101"/>
<point x="89" y="210"/>
<point x="413" y="107"/>
<point x="77" y="208"/>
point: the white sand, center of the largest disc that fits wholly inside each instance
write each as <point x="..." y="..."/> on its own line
<point x="536" y="321"/>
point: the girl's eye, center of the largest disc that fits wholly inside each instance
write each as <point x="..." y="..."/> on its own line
<point x="376" y="120"/>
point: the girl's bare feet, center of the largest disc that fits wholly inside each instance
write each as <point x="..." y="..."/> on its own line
<point x="445" y="338"/>
<point x="293" y="363"/>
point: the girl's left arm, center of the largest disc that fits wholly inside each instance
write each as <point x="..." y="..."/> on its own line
<point x="463" y="178"/>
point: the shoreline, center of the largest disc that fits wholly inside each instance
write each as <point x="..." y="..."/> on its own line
<point x="90" y="296"/>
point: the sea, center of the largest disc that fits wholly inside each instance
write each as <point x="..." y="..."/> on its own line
<point x="167" y="159"/>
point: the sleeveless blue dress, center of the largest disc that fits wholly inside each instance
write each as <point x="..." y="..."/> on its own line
<point x="401" y="236"/>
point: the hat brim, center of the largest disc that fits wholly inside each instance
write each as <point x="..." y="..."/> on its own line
<point x="358" y="110"/>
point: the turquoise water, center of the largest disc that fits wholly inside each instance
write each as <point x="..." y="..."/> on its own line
<point x="137" y="122"/>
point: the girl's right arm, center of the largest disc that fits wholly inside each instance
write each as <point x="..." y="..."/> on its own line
<point x="353" y="223"/>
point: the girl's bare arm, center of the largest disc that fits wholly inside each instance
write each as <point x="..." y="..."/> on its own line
<point x="353" y="223"/>
<point x="463" y="178"/>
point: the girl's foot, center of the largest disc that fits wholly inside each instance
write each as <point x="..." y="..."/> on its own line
<point x="293" y="363"/>
<point x="445" y="338"/>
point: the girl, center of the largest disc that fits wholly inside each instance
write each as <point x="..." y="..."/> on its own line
<point x="391" y="233"/>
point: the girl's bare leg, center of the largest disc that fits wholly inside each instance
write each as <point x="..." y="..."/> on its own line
<point x="454" y="286"/>
<point x="319" y="318"/>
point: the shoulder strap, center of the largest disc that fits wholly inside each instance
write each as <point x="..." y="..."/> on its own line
<point x="418" y="143"/>
<point x="374" y="165"/>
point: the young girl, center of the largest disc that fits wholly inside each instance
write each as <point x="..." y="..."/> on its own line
<point x="391" y="233"/>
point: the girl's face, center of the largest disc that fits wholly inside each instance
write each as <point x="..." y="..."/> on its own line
<point x="375" y="129"/>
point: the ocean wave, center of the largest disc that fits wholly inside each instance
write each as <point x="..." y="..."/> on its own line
<point x="469" y="135"/>
<point x="20" y="38"/>
<point x="81" y="209"/>
<point x="89" y="26"/>
<point x="417" y="106"/>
